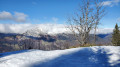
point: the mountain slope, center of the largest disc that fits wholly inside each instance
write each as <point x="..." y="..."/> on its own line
<point x="105" y="56"/>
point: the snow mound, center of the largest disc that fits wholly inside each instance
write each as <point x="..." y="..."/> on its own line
<point x="104" y="56"/>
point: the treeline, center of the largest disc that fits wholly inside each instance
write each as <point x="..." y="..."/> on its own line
<point x="13" y="42"/>
<point x="116" y="36"/>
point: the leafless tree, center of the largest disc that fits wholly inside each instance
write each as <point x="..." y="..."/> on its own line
<point x="100" y="12"/>
<point x="86" y="19"/>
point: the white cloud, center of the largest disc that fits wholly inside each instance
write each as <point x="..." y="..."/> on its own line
<point x="45" y="18"/>
<point x="20" y="17"/>
<point x="14" y="28"/>
<point x="110" y="3"/>
<point x="107" y="3"/>
<point x="55" y="19"/>
<point x="47" y="28"/>
<point x="5" y="15"/>
<point x="118" y="19"/>
<point x="102" y="31"/>
<point x="34" y="3"/>
<point x="17" y="16"/>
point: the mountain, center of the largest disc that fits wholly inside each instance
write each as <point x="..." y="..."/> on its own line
<point x="102" y="35"/>
<point x="37" y="32"/>
<point x="44" y="38"/>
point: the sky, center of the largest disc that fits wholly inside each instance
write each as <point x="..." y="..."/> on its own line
<point x="51" y="11"/>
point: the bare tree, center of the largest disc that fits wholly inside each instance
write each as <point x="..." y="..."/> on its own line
<point x="86" y="19"/>
<point x="100" y="12"/>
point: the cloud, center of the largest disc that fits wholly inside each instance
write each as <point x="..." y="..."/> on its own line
<point x="107" y="3"/>
<point x="118" y="19"/>
<point x="20" y="17"/>
<point x="103" y="31"/>
<point x="5" y="16"/>
<point x="47" y="28"/>
<point x="14" y="28"/>
<point x="55" y="19"/>
<point x="17" y="16"/>
<point x="110" y="3"/>
<point x="34" y="3"/>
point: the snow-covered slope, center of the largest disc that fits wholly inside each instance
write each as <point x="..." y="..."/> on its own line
<point x="105" y="56"/>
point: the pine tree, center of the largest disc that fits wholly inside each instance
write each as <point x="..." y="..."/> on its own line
<point x="116" y="36"/>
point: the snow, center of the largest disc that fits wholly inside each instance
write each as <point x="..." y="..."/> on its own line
<point x="97" y="56"/>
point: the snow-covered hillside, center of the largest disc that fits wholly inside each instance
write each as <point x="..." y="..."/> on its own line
<point x="105" y="56"/>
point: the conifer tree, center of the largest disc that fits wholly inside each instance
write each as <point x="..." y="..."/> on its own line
<point x="116" y="36"/>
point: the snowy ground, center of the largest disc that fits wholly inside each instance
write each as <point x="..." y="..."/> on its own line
<point x="105" y="56"/>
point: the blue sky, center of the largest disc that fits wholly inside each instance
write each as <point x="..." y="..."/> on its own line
<point x="51" y="11"/>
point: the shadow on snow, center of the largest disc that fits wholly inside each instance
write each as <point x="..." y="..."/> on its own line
<point x="82" y="58"/>
<point x="11" y="53"/>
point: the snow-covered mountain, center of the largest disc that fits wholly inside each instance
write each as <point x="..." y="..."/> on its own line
<point x="104" y="56"/>
<point x="46" y="29"/>
<point x="36" y="32"/>
<point x="48" y="32"/>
